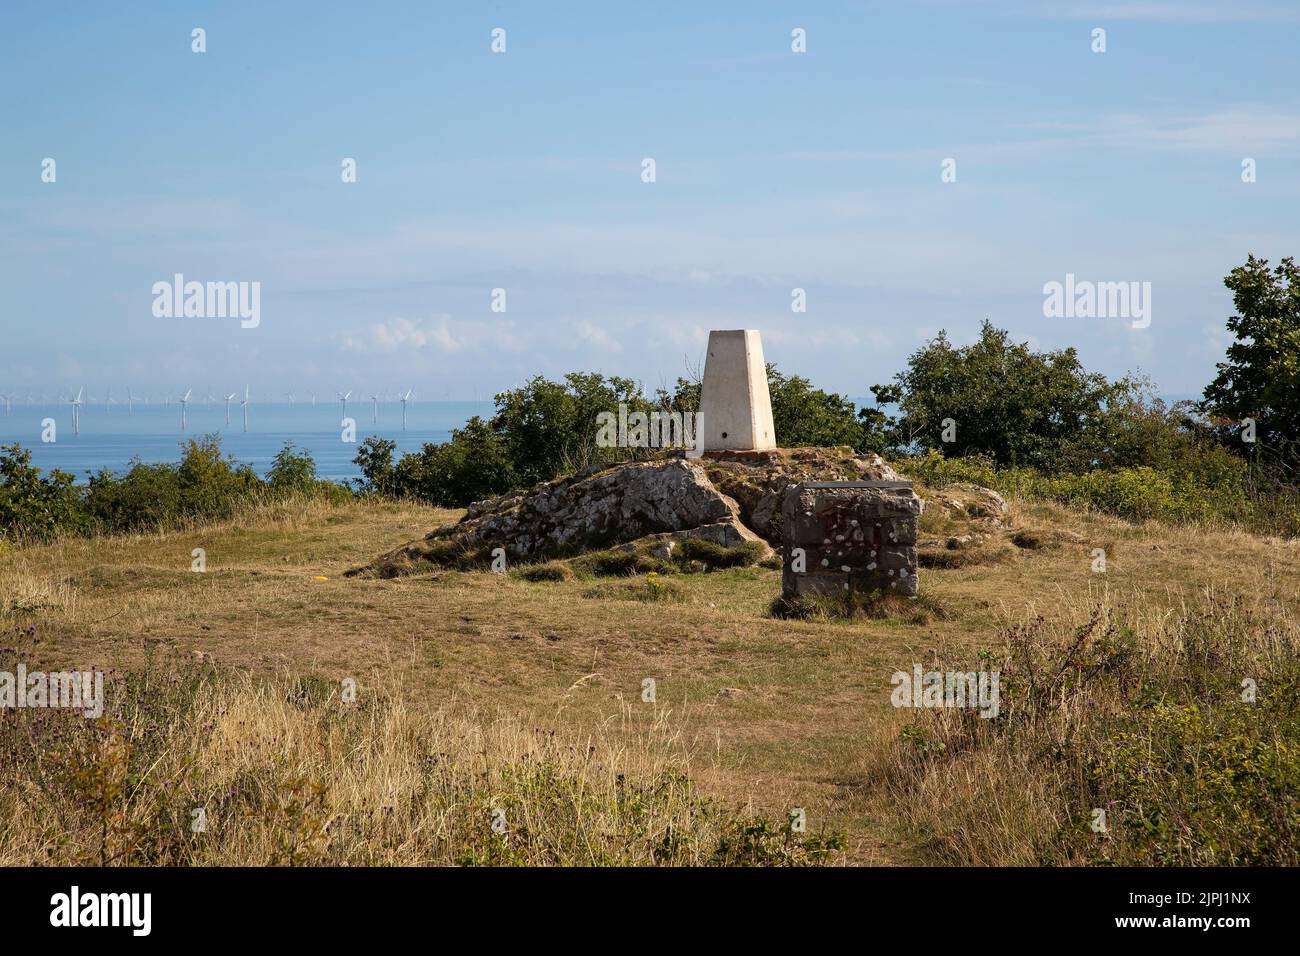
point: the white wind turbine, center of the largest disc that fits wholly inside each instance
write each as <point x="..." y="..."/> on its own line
<point x="229" y="398"/>
<point x="343" y="397"/>
<point x="76" y="411"/>
<point x="8" y="400"/>
<point x="130" y="402"/>
<point x="405" y="398"/>
<point x="374" y="399"/>
<point x="108" y="399"/>
<point x="184" y="401"/>
<point x="244" y="406"/>
<point x="289" y="396"/>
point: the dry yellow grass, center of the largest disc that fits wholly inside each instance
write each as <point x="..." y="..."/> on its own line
<point x="769" y="713"/>
<point x="205" y="768"/>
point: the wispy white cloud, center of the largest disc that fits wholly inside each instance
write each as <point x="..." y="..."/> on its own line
<point x="1249" y="127"/>
<point x="438" y="333"/>
<point x="597" y="337"/>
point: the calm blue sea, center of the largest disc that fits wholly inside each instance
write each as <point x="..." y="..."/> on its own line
<point x="111" y="437"/>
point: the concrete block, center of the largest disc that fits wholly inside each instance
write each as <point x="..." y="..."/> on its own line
<point x="735" y="407"/>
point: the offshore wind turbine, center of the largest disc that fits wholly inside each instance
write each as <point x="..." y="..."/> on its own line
<point x="130" y="402"/>
<point x="76" y="411"/>
<point x="244" y="406"/>
<point x="375" y="401"/>
<point x="230" y="398"/>
<point x="404" y="400"/>
<point x="184" y="401"/>
<point x="344" y="399"/>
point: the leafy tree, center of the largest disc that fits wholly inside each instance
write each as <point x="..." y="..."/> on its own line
<point x="146" y="497"/>
<point x="1260" y="378"/>
<point x="32" y="505"/>
<point x="292" y="470"/>
<point x="375" y="459"/>
<point x="549" y="428"/>
<point x="810" y="417"/>
<point x="210" y="484"/>
<point x="474" y="465"/>
<point x="880" y="430"/>
<point x="1017" y="406"/>
<point x="802" y="415"/>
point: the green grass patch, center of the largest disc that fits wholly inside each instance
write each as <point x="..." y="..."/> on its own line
<point x="549" y="571"/>
<point x="652" y="588"/>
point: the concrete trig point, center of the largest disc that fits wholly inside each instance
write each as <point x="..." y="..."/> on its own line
<point x="735" y="407"/>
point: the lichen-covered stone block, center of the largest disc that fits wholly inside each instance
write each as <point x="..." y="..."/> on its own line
<point x="850" y="535"/>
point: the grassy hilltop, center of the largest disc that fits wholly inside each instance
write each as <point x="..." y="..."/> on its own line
<point x="482" y="696"/>
<point x="1138" y="598"/>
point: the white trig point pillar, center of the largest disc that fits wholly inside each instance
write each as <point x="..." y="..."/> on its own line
<point x="735" y="407"/>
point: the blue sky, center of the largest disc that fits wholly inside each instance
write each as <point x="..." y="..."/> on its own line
<point x="522" y="171"/>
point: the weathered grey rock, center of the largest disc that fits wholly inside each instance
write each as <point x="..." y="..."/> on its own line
<point x="611" y="506"/>
<point x="852" y="535"/>
<point x="594" y="509"/>
<point x="758" y="480"/>
<point x="729" y="534"/>
<point x="973" y="501"/>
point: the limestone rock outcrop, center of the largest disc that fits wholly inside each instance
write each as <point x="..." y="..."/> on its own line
<point x="726" y="497"/>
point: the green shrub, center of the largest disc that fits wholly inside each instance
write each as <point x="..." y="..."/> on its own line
<point x="713" y="555"/>
<point x="1196" y="785"/>
<point x="619" y="562"/>
<point x="1226" y="489"/>
<point x="762" y="842"/>
<point x="689" y="554"/>
<point x="203" y="486"/>
<point x="550" y="571"/>
<point x="33" y="506"/>
<point x="1153" y="721"/>
<point x="145" y="497"/>
<point x="291" y="470"/>
<point x="474" y="465"/>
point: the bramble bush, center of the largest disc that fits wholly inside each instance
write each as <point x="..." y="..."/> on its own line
<point x="1183" y="729"/>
